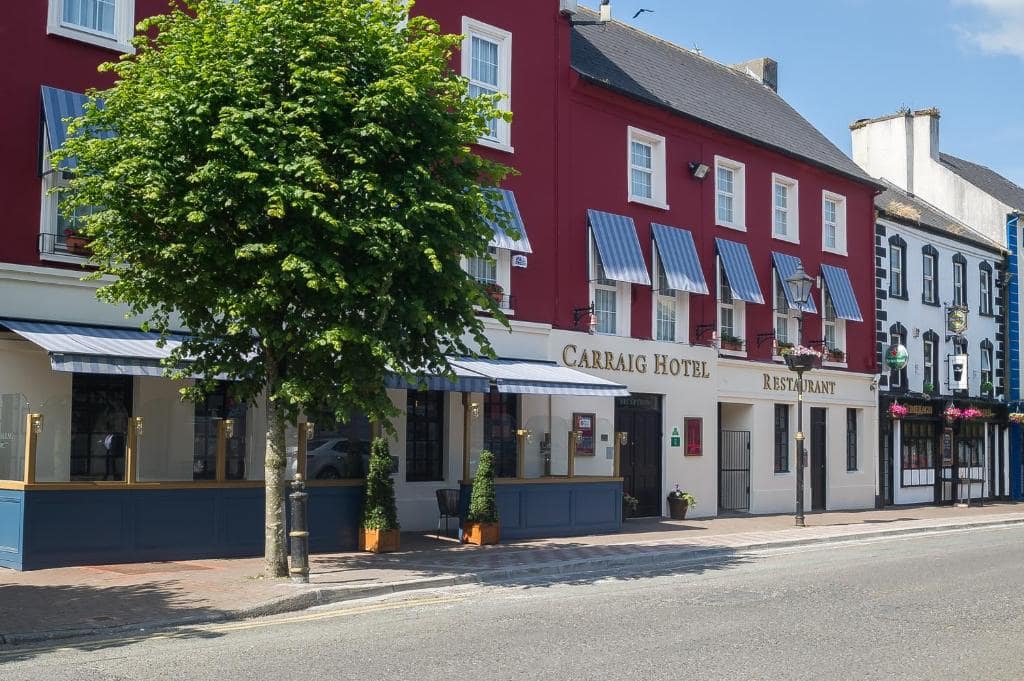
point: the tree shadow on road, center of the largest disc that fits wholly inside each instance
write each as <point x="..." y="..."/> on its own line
<point x="114" y="616"/>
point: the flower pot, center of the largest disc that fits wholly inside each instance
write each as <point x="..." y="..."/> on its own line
<point x="77" y="245"/>
<point x="730" y="345"/>
<point x="378" y="541"/>
<point x="677" y="508"/>
<point x="800" y="362"/>
<point x="480" y="533"/>
<point x="837" y="357"/>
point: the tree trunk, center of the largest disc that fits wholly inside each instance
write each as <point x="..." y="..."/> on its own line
<point x="275" y="555"/>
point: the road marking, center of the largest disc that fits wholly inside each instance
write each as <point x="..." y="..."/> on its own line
<point x="228" y="627"/>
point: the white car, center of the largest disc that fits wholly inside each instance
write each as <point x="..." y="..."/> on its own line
<point x="332" y="459"/>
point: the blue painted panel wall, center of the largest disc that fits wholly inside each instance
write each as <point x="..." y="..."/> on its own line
<point x="533" y="511"/>
<point x="124" y="525"/>
<point x="12" y="506"/>
<point x="1013" y="352"/>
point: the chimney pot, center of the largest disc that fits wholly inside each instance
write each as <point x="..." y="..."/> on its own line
<point x="606" y="11"/>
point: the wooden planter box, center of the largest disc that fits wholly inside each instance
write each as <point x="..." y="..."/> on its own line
<point x="677" y="508"/>
<point x="77" y="245"/>
<point x="379" y="541"/>
<point x="480" y="533"/>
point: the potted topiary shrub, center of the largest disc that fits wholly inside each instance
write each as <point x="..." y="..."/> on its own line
<point x="986" y="388"/>
<point x="481" y="524"/>
<point x="629" y="504"/>
<point x="378" y="532"/>
<point x="678" y="503"/>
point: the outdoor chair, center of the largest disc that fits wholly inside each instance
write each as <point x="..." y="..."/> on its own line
<point x="447" y="507"/>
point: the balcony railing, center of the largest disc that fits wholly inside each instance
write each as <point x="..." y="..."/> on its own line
<point x="58" y="244"/>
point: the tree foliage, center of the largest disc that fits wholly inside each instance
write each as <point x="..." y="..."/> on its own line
<point x="379" y="511"/>
<point x="292" y="181"/>
<point x="482" y="505"/>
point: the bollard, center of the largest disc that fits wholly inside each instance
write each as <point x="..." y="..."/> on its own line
<point x="299" y="534"/>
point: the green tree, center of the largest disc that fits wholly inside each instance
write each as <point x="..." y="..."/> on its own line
<point x="292" y="180"/>
<point x="379" y="511"/>
<point x="482" y="506"/>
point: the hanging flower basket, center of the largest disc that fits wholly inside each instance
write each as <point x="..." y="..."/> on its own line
<point x="897" y="411"/>
<point x="1016" y="417"/>
<point x="970" y="414"/>
<point x="801" y="358"/>
<point x="952" y="414"/>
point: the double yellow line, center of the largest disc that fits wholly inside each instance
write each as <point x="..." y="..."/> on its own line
<point x="228" y="627"/>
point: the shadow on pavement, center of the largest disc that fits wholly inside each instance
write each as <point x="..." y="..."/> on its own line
<point x="90" y="610"/>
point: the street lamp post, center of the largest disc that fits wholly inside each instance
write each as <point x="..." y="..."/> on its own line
<point x="800" y="291"/>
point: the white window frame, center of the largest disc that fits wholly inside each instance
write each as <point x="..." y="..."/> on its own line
<point x="680" y="299"/>
<point x="895" y="375"/>
<point x="930" y="351"/>
<point x="739" y="194"/>
<point x="658" y="198"/>
<point x="959" y="287"/>
<point x="840" y="201"/>
<point x="119" y="41"/>
<point x="985" y="290"/>
<point x="986" y="358"/>
<point x="896" y="273"/>
<point x="791" y="232"/>
<point x="470" y="28"/>
<point x="738" y="309"/>
<point x="931" y="295"/>
<point x="782" y="312"/>
<point x="503" y="274"/>
<point x="49" y="223"/>
<point x="623" y="307"/>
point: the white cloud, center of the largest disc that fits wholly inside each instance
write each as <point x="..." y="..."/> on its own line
<point x="1000" y="30"/>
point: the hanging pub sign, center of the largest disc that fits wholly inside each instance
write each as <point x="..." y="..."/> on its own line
<point x="897" y="357"/>
<point x="584" y="425"/>
<point x="956" y="319"/>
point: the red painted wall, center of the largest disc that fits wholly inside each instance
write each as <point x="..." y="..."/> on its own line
<point x="41" y="60"/>
<point x="598" y="179"/>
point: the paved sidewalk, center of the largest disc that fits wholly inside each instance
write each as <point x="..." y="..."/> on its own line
<point x="70" y="602"/>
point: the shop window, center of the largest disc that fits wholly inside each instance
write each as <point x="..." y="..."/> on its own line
<point x="210" y="413"/>
<point x="487" y="63"/>
<point x="781" y="438"/>
<point x="959" y="280"/>
<point x="501" y="421"/>
<point x="917" y="457"/>
<point x="971" y="444"/>
<point x="424" y="436"/>
<point x="929" y="281"/>
<point x="338" y="450"/>
<point x="100" y="408"/>
<point x="851" y="440"/>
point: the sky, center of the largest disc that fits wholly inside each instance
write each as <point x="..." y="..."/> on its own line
<point x="841" y="60"/>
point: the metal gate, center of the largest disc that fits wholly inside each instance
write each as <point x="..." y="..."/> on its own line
<point x="734" y="470"/>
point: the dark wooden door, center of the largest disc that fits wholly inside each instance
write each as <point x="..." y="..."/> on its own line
<point x="640" y="417"/>
<point x="818" y="472"/>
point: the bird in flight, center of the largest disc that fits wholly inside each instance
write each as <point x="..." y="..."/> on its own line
<point x="641" y="11"/>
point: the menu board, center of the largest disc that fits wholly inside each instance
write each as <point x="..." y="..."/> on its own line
<point x="584" y="425"/>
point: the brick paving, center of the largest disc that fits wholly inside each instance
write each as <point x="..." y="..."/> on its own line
<point x="75" y="601"/>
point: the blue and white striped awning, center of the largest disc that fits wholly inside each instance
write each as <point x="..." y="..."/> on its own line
<point x="618" y="247"/>
<point x="837" y="282"/>
<point x="59" y="106"/>
<point x="740" y="270"/>
<point x="465" y="382"/>
<point x="97" y="349"/>
<point x="540" y="378"/>
<point x="786" y="266"/>
<point x="504" y="200"/>
<point x="678" y="255"/>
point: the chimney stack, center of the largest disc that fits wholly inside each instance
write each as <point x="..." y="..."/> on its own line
<point x="606" y="11"/>
<point x="763" y="69"/>
<point x="569" y="7"/>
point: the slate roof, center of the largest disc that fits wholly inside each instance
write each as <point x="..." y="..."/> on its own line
<point x="641" y="66"/>
<point x="910" y="209"/>
<point x="987" y="180"/>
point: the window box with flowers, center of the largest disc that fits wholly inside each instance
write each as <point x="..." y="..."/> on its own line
<point x="730" y="342"/>
<point x="76" y="243"/>
<point x="1017" y="417"/>
<point x="679" y="502"/>
<point x="801" y="358"/>
<point x="835" y="355"/>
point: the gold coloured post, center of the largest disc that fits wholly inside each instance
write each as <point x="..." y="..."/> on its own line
<point x="131" y="454"/>
<point x="572" y="452"/>
<point x="222" y="451"/>
<point x="616" y="464"/>
<point x="466" y="416"/>
<point x="521" y="453"/>
<point x="33" y="426"/>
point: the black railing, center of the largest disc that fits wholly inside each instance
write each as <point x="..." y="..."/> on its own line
<point x="58" y="244"/>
